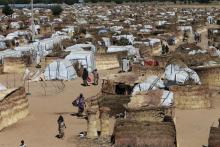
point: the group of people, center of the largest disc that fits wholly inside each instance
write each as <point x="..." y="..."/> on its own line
<point x="80" y="103"/>
<point x="86" y="78"/>
<point x="165" y="49"/>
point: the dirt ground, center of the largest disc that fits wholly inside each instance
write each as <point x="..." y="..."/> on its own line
<point x="40" y="127"/>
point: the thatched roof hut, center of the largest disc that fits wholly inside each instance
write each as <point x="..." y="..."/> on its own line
<point x="14" y="65"/>
<point x="152" y="114"/>
<point x="147" y="71"/>
<point x="13" y="106"/>
<point x="109" y="60"/>
<point x="191" y="96"/>
<point x="209" y="75"/>
<point x="116" y="103"/>
<point x="1" y="68"/>
<point x="121" y="84"/>
<point x="152" y="134"/>
<point x="214" y="137"/>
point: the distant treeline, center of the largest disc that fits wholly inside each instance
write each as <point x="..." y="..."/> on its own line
<point x="70" y="2"/>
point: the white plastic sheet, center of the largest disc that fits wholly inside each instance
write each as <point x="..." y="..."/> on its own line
<point x="60" y="70"/>
<point x="180" y="75"/>
<point x="131" y="49"/>
<point x="80" y="47"/>
<point x="167" y="98"/>
<point x="2" y="45"/>
<point x="2" y="87"/>
<point x="86" y="58"/>
<point x="151" y="83"/>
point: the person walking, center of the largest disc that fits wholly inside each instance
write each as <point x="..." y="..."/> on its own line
<point x="85" y="77"/>
<point x="61" y="126"/>
<point x="96" y="77"/>
<point x="22" y="144"/>
<point x="81" y="104"/>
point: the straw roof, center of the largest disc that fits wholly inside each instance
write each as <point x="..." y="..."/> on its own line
<point x="5" y="93"/>
<point x="132" y="133"/>
<point x="151" y="98"/>
<point x="124" y="78"/>
<point x="214" y="137"/>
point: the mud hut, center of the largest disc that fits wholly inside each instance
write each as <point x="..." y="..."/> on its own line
<point x="13" y="106"/>
<point x="191" y="96"/>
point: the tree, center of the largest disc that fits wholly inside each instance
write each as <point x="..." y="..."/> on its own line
<point x="94" y="1"/>
<point x="118" y="1"/>
<point x="123" y="41"/>
<point x="57" y="10"/>
<point x="3" y="2"/>
<point x="7" y="10"/>
<point x="22" y="1"/>
<point x="70" y="2"/>
<point x="204" y="1"/>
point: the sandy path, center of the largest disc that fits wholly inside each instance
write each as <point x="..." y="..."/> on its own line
<point x="193" y="125"/>
<point x="40" y="128"/>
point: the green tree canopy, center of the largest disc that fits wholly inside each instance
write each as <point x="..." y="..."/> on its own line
<point x="70" y="2"/>
<point x="3" y="2"/>
<point x="57" y="10"/>
<point x="22" y="1"/>
<point x="118" y="1"/>
<point x="7" y="10"/>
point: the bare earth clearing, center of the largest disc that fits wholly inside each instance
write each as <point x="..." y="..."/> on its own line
<point x="40" y="127"/>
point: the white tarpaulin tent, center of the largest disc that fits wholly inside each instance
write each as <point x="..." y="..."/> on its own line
<point x="81" y="46"/>
<point x="106" y="41"/>
<point x="60" y="70"/>
<point x="2" y="45"/>
<point x="131" y="49"/>
<point x="73" y="48"/>
<point x="151" y="83"/>
<point x="2" y="87"/>
<point x="180" y="75"/>
<point x="186" y="28"/>
<point x="10" y="53"/>
<point x="167" y="98"/>
<point x="86" y="58"/>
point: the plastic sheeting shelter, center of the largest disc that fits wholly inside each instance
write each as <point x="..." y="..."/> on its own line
<point x="60" y="70"/>
<point x="86" y="58"/>
<point x="80" y="47"/>
<point x="131" y="49"/>
<point x="151" y="83"/>
<point x="2" y="87"/>
<point x="181" y="75"/>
